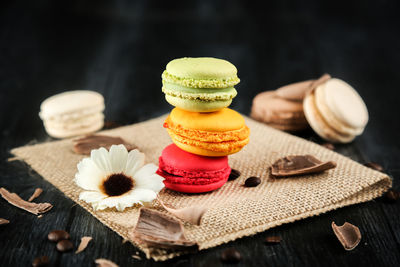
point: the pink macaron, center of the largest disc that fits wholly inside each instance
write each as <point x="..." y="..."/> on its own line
<point x="191" y="173"/>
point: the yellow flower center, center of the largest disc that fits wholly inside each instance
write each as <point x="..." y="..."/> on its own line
<point x="117" y="184"/>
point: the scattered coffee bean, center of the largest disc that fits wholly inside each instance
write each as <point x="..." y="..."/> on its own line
<point x="252" y="181"/>
<point x="40" y="261"/>
<point x="231" y="255"/>
<point x="271" y="240"/>
<point x="57" y="235"/>
<point x="391" y="196"/>
<point x="64" y="246"/>
<point x="374" y="166"/>
<point x="329" y="146"/>
<point x="234" y="175"/>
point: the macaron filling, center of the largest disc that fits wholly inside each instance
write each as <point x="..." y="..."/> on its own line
<point x="203" y="94"/>
<point x="200" y="83"/>
<point x="177" y="176"/>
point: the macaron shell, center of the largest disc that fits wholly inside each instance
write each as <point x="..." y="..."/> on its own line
<point x="179" y="162"/>
<point x="203" y="151"/>
<point x="329" y="116"/>
<point x="71" y="102"/>
<point x="201" y="68"/>
<point x="318" y="124"/>
<point x="194" y="105"/>
<point x="185" y="188"/>
<point x="223" y="120"/>
<point x="76" y="131"/>
<point x="345" y="103"/>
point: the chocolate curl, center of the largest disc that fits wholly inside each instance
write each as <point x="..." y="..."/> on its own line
<point x="105" y="263"/>
<point x="14" y="199"/>
<point x="84" y="243"/>
<point x="4" y="221"/>
<point x="35" y="194"/>
<point x="298" y="165"/>
<point x="155" y="229"/>
<point x="192" y="214"/>
<point x="349" y="235"/>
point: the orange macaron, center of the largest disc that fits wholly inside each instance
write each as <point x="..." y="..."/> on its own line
<point x="215" y="134"/>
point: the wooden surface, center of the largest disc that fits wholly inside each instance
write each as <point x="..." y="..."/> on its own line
<point x="119" y="48"/>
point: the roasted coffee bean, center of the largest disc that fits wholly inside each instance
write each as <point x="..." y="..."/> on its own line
<point x="374" y="166"/>
<point x="391" y="196"/>
<point x="40" y="261"/>
<point x="234" y="175"/>
<point x="231" y="255"/>
<point x="252" y="181"/>
<point x="64" y="245"/>
<point x="329" y="146"/>
<point x="272" y="240"/>
<point x="57" y="235"/>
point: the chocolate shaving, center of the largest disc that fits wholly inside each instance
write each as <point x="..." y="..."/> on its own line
<point x="4" y="221"/>
<point x="349" y="235"/>
<point x="86" y="144"/>
<point x="298" y="165"/>
<point x="14" y="199"/>
<point x="84" y="242"/>
<point x="35" y="194"/>
<point x="136" y="257"/>
<point x="105" y="263"/>
<point x="271" y="240"/>
<point x="192" y="214"/>
<point x="155" y="229"/>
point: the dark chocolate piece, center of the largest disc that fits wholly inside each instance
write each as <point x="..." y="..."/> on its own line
<point x="271" y="240"/>
<point x="231" y="255"/>
<point x="86" y="144"/>
<point x="155" y="229"/>
<point x="234" y="175"/>
<point x="64" y="245"/>
<point x="298" y="165"/>
<point x="40" y="261"/>
<point x="349" y="235"/>
<point x="57" y="235"/>
<point x="391" y="196"/>
<point x="252" y="181"/>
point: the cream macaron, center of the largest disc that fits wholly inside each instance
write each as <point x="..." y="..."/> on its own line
<point x="335" y="111"/>
<point x="72" y="113"/>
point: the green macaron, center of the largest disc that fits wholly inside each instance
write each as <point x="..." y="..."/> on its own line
<point x="200" y="84"/>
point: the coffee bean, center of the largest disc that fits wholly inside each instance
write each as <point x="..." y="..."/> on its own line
<point x="234" y="175"/>
<point x="231" y="255"/>
<point x="57" y="235"/>
<point x="374" y="166"/>
<point x="329" y="146"/>
<point x="64" y="245"/>
<point x="391" y="196"/>
<point x="272" y="240"/>
<point x="40" y="261"/>
<point x="252" y="181"/>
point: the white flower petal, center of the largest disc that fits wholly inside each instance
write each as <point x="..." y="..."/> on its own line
<point x="118" y="158"/>
<point x="102" y="159"/>
<point x="89" y="176"/>
<point x="134" y="162"/>
<point x="143" y="195"/>
<point x="147" y="170"/>
<point x="153" y="182"/>
<point x="120" y="202"/>
<point x="91" y="196"/>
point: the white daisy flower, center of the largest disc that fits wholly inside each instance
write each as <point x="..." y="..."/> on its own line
<point x="117" y="178"/>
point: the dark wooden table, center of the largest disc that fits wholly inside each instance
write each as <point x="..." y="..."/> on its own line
<point x="119" y="48"/>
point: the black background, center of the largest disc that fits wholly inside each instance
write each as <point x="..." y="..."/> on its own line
<point x="120" y="48"/>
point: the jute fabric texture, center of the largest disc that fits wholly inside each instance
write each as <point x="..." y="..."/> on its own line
<point x="234" y="210"/>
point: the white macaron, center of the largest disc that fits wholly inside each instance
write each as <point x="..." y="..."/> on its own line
<point x="335" y="111"/>
<point x="72" y="113"/>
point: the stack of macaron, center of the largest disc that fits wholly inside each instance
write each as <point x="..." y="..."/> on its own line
<point x="204" y="131"/>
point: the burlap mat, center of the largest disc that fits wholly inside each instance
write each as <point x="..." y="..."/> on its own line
<point x="235" y="211"/>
